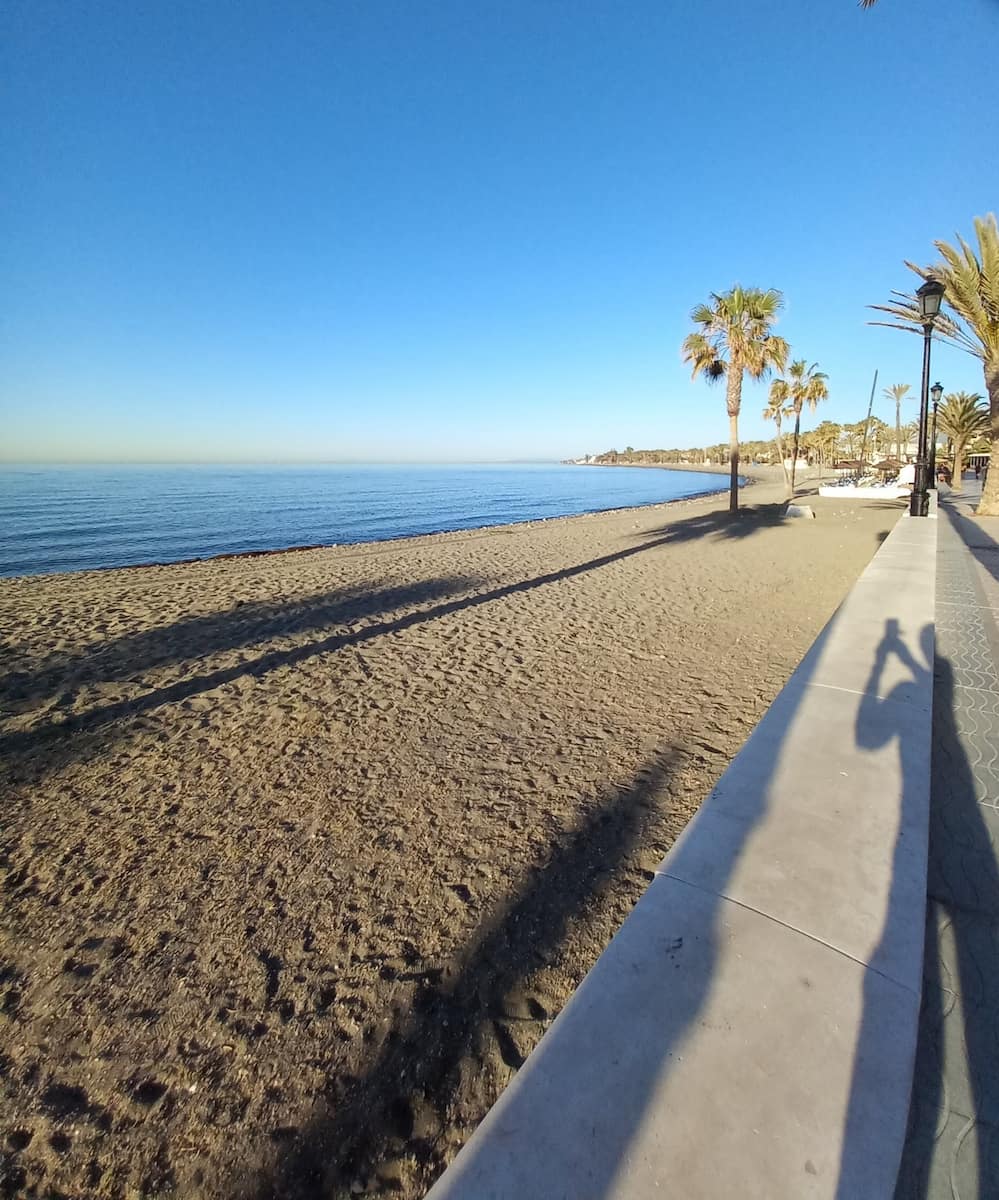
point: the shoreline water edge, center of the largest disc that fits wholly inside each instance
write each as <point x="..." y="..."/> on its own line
<point x="266" y="551"/>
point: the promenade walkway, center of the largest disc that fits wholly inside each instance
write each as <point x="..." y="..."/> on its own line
<point x="952" y="1148"/>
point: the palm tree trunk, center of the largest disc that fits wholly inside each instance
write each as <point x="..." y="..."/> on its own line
<point x="733" y="402"/>
<point x="733" y="459"/>
<point x="898" y="432"/>
<point x="783" y="463"/>
<point x="988" y="506"/>
<point x="794" y="456"/>
<point x="957" y="470"/>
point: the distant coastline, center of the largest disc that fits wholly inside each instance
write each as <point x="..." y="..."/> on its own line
<point x="706" y="469"/>
<point x="747" y="475"/>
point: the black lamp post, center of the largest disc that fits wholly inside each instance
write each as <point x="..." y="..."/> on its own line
<point x="929" y="296"/>
<point x="936" y="391"/>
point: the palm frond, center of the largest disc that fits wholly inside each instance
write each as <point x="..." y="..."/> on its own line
<point x="987" y="232"/>
<point x="764" y="355"/>
<point x="734" y="326"/>
<point x="805" y="384"/>
<point x="701" y="353"/>
<point x="702" y="314"/>
<point x="780" y="394"/>
<point x="904" y="308"/>
<point x="963" y="416"/>
<point x="970" y="276"/>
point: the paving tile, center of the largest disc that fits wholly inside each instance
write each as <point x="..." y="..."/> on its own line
<point x="960" y="1159"/>
<point x="968" y="1033"/>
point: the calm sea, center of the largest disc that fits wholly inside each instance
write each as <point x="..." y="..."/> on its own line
<point x="73" y="518"/>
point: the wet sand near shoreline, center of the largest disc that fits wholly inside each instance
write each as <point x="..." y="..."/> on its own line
<point x="303" y="852"/>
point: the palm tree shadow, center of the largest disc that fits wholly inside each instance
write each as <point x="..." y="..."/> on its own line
<point x="984" y="549"/>
<point x="51" y="743"/>
<point x="32" y="752"/>
<point x="748" y="520"/>
<point x="245" y="624"/>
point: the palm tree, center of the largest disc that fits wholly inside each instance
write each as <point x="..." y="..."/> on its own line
<point x="733" y="338"/>
<point x="910" y="432"/>
<point x="896" y="392"/>
<point x="776" y="411"/>
<point x="971" y="293"/>
<point x="962" y="417"/>
<point x="826" y="437"/>
<point x="878" y="438"/>
<point x="804" y="385"/>
<point x="855" y="436"/>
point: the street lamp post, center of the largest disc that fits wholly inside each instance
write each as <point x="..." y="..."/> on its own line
<point x="936" y="391"/>
<point x="929" y="296"/>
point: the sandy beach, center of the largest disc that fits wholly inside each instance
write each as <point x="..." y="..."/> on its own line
<point x="303" y="852"/>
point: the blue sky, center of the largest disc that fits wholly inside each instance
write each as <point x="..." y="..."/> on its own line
<point x="462" y="230"/>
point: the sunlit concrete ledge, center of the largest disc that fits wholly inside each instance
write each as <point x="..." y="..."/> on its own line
<point x="750" y="1031"/>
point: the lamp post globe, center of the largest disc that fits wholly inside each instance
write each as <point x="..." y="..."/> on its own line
<point x="929" y="296"/>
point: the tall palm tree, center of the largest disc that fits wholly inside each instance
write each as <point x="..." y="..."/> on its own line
<point x="879" y="435"/>
<point x="963" y="417"/>
<point x="896" y="392"/>
<point x="804" y="385"/>
<point x="733" y="338"/>
<point x="826" y="437"/>
<point x="971" y="293"/>
<point x="855" y="436"/>
<point x="776" y="411"/>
